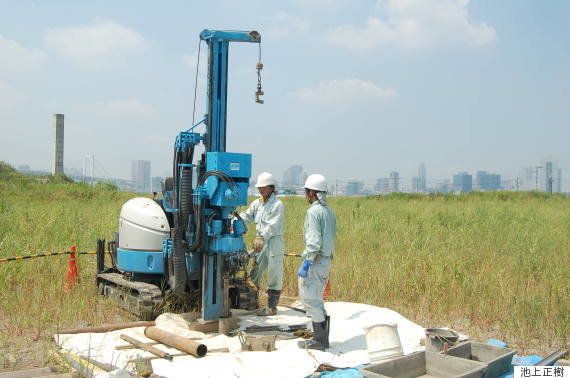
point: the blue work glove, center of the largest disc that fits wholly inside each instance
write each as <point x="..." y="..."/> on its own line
<point x="304" y="269"/>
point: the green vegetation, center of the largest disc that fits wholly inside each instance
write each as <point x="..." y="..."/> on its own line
<point x="49" y="214"/>
<point x="486" y="264"/>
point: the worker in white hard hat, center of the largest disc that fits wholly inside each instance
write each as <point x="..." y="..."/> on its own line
<point x="268" y="214"/>
<point x="319" y="234"/>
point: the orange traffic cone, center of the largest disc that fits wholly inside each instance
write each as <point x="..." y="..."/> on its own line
<point x="72" y="274"/>
<point x="327" y="292"/>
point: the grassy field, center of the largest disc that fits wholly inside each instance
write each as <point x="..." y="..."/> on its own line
<point x="486" y="264"/>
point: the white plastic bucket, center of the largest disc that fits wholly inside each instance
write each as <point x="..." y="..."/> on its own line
<point x="383" y="341"/>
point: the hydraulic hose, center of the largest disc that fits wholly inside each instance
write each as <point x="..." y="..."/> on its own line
<point x="183" y="197"/>
<point x="178" y="279"/>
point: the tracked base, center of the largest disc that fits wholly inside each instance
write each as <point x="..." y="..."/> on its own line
<point x="145" y="300"/>
<point x="141" y="299"/>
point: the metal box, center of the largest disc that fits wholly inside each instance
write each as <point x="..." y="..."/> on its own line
<point x="238" y="167"/>
<point x="233" y="164"/>
<point x="498" y="360"/>
<point x="425" y="364"/>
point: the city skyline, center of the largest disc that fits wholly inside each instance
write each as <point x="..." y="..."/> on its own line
<point x="477" y="86"/>
<point x="529" y="178"/>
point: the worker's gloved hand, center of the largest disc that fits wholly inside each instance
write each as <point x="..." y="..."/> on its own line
<point x="304" y="269"/>
<point x="258" y="244"/>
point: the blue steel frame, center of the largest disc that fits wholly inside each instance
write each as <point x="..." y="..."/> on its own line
<point x="218" y="196"/>
<point x="215" y="142"/>
<point x="218" y="43"/>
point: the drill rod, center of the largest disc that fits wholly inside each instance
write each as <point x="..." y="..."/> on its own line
<point x="148" y="348"/>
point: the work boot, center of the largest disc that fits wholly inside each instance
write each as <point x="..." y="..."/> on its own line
<point x="327" y="329"/>
<point x="273" y="298"/>
<point x="272" y="301"/>
<point x="319" y="340"/>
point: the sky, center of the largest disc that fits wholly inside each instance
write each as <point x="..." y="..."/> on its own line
<point x="353" y="89"/>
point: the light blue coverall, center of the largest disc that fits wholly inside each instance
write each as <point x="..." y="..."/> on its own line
<point x="319" y="234"/>
<point x="269" y="218"/>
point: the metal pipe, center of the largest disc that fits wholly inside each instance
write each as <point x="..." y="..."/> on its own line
<point x="148" y="348"/>
<point x="182" y="343"/>
<point x="106" y="327"/>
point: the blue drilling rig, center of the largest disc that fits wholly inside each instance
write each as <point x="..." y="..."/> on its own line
<point x="188" y="246"/>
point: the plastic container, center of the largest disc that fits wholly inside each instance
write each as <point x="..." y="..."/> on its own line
<point x="383" y="341"/>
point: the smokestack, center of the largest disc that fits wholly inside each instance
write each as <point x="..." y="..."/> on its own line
<point x="57" y="167"/>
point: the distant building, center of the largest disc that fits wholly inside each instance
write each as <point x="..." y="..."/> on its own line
<point x="354" y="188"/>
<point x="547" y="176"/>
<point x="415" y="184"/>
<point x="463" y="182"/>
<point x="444" y="186"/>
<point x="304" y="176"/>
<point x="382" y="186"/>
<point x="485" y="181"/>
<point x="293" y="176"/>
<point x="394" y="183"/>
<point x="140" y="176"/>
<point x="558" y="182"/>
<point x="422" y="179"/>
<point x="510" y="184"/>
<point x="528" y="181"/>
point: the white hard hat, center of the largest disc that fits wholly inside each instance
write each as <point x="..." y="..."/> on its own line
<point x="316" y="182"/>
<point x="265" y="179"/>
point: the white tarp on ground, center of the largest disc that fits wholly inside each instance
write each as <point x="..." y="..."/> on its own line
<point x="347" y="345"/>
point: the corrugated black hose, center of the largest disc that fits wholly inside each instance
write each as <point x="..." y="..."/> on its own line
<point x="183" y="198"/>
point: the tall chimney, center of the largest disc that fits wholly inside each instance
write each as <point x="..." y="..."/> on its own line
<point x="57" y="167"/>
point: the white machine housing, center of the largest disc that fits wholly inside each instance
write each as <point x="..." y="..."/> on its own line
<point x="142" y="225"/>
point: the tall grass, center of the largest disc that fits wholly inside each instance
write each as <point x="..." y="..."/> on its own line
<point x="487" y="264"/>
<point x="49" y="215"/>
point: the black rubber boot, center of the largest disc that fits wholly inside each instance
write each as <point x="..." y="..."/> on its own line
<point x="327" y="330"/>
<point x="319" y="339"/>
<point x="273" y="298"/>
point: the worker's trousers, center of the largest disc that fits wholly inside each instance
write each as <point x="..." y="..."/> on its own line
<point x="270" y="259"/>
<point x="311" y="289"/>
